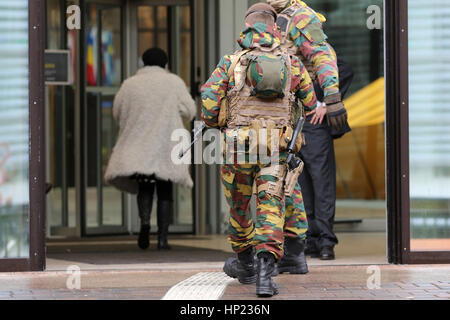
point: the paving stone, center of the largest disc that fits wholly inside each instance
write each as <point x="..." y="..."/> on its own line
<point x="323" y="283"/>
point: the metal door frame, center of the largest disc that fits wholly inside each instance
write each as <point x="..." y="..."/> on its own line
<point x="65" y="229"/>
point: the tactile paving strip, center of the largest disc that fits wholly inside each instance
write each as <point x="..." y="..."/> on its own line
<point x="201" y="286"/>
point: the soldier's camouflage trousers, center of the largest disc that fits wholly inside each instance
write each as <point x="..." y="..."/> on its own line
<point x="296" y="222"/>
<point x="272" y="217"/>
<point x="266" y="234"/>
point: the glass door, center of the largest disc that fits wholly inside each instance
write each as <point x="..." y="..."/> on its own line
<point x="104" y="209"/>
<point x="14" y="136"/>
<point x="169" y="28"/>
<point x="418" y="131"/>
<point x="429" y="130"/>
<point x="360" y="170"/>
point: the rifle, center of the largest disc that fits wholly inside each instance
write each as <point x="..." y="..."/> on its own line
<point x="197" y="134"/>
<point x="292" y="161"/>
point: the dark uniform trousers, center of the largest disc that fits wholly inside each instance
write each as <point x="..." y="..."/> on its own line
<point x="318" y="183"/>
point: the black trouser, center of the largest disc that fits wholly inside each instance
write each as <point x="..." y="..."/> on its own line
<point x="145" y="196"/>
<point x="318" y="183"/>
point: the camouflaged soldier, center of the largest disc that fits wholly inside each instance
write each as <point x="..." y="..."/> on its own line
<point x="302" y="35"/>
<point x="238" y="84"/>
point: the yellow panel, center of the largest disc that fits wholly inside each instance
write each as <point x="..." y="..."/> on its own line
<point x="367" y="106"/>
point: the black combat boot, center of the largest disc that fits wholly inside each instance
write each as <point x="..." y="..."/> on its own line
<point x="243" y="268"/>
<point x="265" y="287"/>
<point x="294" y="259"/>
<point x="164" y="213"/>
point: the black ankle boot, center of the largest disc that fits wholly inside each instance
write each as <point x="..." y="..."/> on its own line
<point x="294" y="259"/>
<point x="164" y="211"/>
<point x="145" y="202"/>
<point x="265" y="287"/>
<point x="243" y="268"/>
<point x="144" y="237"/>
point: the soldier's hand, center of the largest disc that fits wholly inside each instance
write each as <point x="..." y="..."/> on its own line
<point x="319" y="113"/>
<point x="336" y="112"/>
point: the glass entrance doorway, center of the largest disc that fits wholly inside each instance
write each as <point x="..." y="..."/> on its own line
<point x="81" y="131"/>
<point x="104" y="211"/>
<point x="169" y="28"/>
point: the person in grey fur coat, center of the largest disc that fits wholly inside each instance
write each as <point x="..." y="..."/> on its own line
<point x="148" y="108"/>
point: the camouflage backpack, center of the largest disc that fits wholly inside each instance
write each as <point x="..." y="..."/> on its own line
<point x="266" y="75"/>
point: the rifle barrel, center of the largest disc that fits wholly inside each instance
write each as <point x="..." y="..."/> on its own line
<point x="197" y="135"/>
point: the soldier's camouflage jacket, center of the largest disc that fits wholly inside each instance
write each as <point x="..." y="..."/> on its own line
<point x="217" y="86"/>
<point x="305" y="31"/>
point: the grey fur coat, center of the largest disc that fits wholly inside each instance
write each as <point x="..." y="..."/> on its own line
<point x="148" y="108"/>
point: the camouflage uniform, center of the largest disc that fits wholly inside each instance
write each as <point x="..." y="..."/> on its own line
<point x="296" y="222"/>
<point x="304" y="37"/>
<point x="267" y="233"/>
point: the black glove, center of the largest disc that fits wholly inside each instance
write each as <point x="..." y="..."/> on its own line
<point x="336" y="112"/>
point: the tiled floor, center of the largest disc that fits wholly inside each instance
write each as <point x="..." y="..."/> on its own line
<point x="192" y="251"/>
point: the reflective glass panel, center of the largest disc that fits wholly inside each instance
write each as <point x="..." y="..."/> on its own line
<point x="14" y="129"/>
<point x="360" y="154"/>
<point x="429" y="124"/>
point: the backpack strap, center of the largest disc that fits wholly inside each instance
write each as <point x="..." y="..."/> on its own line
<point x="285" y="18"/>
<point x="235" y="60"/>
<point x="238" y="70"/>
<point x="289" y="73"/>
